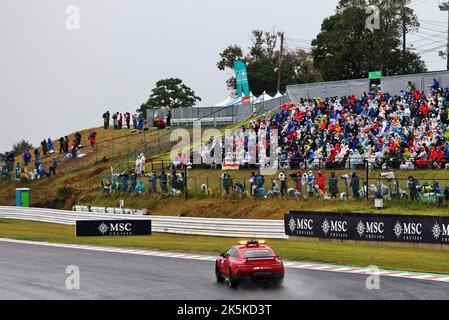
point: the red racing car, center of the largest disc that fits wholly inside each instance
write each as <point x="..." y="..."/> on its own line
<point x="251" y="260"/>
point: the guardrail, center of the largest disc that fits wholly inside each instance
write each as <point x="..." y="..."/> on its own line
<point x="269" y="229"/>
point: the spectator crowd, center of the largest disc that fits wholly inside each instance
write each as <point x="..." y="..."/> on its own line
<point x="408" y="131"/>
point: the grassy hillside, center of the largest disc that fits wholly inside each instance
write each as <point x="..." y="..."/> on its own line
<point x="78" y="182"/>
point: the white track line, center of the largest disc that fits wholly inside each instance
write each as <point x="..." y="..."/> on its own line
<point x="288" y="264"/>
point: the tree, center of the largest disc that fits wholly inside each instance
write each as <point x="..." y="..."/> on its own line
<point x="262" y="62"/>
<point x="172" y="93"/>
<point x="21" y="146"/>
<point x="346" y="49"/>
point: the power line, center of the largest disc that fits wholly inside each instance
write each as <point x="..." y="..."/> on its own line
<point x="430" y="29"/>
<point x="432" y="49"/>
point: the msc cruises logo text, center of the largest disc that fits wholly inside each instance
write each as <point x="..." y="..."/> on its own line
<point x="335" y="228"/>
<point x="371" y="230"/>
<point x="301" y="226"/>
<point x="408" y="231"/>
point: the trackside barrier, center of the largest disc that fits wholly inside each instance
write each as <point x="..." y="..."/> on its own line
<point x="269" y="229"/>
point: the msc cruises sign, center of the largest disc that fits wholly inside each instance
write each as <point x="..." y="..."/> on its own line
<point x="99" y="228"/>
<point x="368" y="227"/>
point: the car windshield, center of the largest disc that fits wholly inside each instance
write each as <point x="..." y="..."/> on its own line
<point x="257" y="254"/>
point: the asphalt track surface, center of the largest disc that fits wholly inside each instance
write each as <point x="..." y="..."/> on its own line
<point x="38" y="272"/>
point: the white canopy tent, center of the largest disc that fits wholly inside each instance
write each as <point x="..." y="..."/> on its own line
<point x="264" y="97"/>
<point x="225" y="102"/>
<point x="278" y="95"/>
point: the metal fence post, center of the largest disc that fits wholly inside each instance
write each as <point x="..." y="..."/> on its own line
<point x="158" y="142"/>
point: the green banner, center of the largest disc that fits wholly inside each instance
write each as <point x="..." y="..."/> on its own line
<point x="375" y="75"/>
<point x="241" y="78"/>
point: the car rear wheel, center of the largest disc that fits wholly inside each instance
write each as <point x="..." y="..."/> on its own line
<point x="231" y="281"/>
<point x="220" y="278"/>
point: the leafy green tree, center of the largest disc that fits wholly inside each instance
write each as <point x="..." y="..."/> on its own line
<point x="262" y="64"/>
<point x="346" y="49"/>
<point x="172" y="93"/>
<point x="21" y="147"/>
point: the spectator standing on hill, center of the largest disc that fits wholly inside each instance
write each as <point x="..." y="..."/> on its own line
<point x="51" y="147"/>
<point x="37" y="154"/>
<point x="137" y="166"/>
<point x="66" y="144"/>
<point x="333" y="186"/>
<point x="355" y="185"/>
<point x="44" y="147"/>
<point x="412" y="183"/>
<point x="92" y="139"/>
<point x="26" y="157"/>
<point x="283" y="180"/>
<point x="61" y="145"/>
<point x="120" y="121"/>
<point x="169" y="119"/>
<point x="260" y="180"/>
<point x="135" y="121"/>
<point x="78" y="138"/>
<point x="252" y="183"/>
<point x="114" y="120"/>
<point x="142" y="164"/>
<point x="227" y="182"/>
<point x="310" y="183"/>
<point x="140" y="121"/>
<point x="163" y="181"/>
<point x="53" y="167"/>
<point x="128" y="120"/>
<point x="297" y="178"/>
<point x="321" y="181"/>
<point x="153" y="182"/>
<point x="106" y="119"/>
<point x="133" y="183"/>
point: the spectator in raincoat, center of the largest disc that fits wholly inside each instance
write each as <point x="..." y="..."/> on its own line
<point x="128" y="120"/>
<point x="333" y="186"/>
<point x="44" y="147"/>
<point x="92" y="139"/>
<point x="53" y="167"/>
<point x="355" y="185"/>
<point x="283" y="180"/>
<point x="66" y="144"/>
<point x="61" y="145"/>
<point x="78" y="139"/>
<point x="226" y="181"/>
<point x="106" y="119"/>
<point x="321" y="181"/>
<point x="120" y="121"/>
<point x="163" y="181"/>
<point x="114" y="120"/>
<point x="26" y="157"/>
<point x="310" y="183"/>
<point x="37" y="154"/>
<point x="153" y="182"/>
<point x="51" y="147"/>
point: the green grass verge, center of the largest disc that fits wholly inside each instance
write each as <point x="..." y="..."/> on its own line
<point x="386" y="257"/>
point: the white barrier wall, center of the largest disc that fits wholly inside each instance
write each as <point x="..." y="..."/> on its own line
<point x="269" y="229"/>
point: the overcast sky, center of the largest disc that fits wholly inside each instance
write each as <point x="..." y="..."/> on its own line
<point x="54" y="81"/>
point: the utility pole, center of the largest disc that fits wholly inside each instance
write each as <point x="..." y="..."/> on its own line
<point x="404" y="44"/>
<point x="445" y="7"/>
<point x="281" y="53"/>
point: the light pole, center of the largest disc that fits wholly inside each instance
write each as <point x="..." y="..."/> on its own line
<point x="444" y="6"/>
